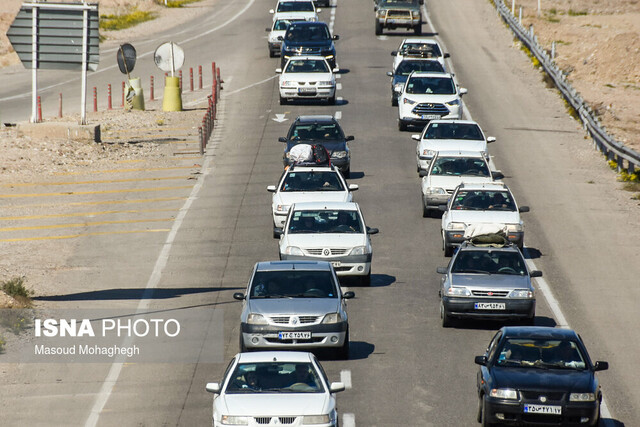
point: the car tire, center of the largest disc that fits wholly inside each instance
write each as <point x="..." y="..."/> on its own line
<point x="283" y="101"/>
<point x="448" y="251"/>
<point x="417" y="30"/>
<point x="394" y="101"/>
<point x="332" y="100"/>
<point x="272" y="54"/>
<point x="425" y="211"/>
<point x="343" y="352"/>
<point x="242" y="347"/>
<point x="447" y="321"/>
<point x="402" y="126"/>
<point x="479" y="411"/>
<point x="484" y="421"/>
<point x="378" y="28"/>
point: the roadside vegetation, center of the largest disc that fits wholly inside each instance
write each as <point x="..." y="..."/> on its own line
<point x="176" y="3"/>
<point x="16" y="289"/>
<point x="126" y="20"/>
<point x="14" y="319"/>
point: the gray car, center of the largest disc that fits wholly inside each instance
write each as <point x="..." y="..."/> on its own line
<point x="487" y="281"/>
<point x="294" y="305"/>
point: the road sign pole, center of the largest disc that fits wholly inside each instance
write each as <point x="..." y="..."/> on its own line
<point x="83" y="96"/>
<point x="34" y="65"/>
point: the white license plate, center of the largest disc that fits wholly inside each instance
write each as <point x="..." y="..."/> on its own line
<point x="430" y="117"/>
<point x="294" y="335"/>
<point x="543" y="409"/>
<point x="336" y="263"/>
<point x="490" y="306"/>
<point x="307" y="90"/>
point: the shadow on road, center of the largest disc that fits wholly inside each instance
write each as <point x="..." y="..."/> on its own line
<point x="133" y="294"/>
<point x="532" y="253"/>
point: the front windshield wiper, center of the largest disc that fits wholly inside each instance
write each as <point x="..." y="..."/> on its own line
<point x="469" y="270"/>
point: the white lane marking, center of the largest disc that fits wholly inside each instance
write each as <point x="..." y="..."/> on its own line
<point x="338" y="86"/>
<point x="348" y="420"/>
<point x="233" y="92"/>
<point x="151" y="52"/>
<point x="554" y="305"/>
<point x="339" y="98"/>
<point x="345" y="378"/>
<point x="116" y="367"/>
<point x="338" y="76"/>
<point x="338" y="115"/>
<point x="382" y="37"/>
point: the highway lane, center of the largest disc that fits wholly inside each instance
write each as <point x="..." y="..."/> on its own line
<point x="406" y="369"/>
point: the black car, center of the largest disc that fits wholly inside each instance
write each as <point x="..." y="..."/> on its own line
<point x="538" y="375"/>
<point x="308" y="38"/>
<point x="401" y="74"/>
<point x="324" y="130"/>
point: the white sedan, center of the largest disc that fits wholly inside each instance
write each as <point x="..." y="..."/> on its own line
<point x="275" y="388"/>
<point x="307" y="77"/>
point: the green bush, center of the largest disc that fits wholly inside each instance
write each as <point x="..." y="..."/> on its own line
<point x="120" y="22"/>
<point x="15" y="288"/>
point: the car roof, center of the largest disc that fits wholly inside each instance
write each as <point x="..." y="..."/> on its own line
<point x="290" y="15"/>
<point x="490" y="186"/>
<point x="420" y="40"/>
<point x="308" y="206"/>
<point x="315" y="118"/>
<point x="275" y="356"/>
<point x="539" y="332"/>
<point x="429" y="74"/>
<point x="307" y="23"/>
<point x="311" y="168"/>
<point x="293" y="265"/>
<point x="463" y="122"/>
<point x="299" y="57"/>
<point x="459" y="153"/>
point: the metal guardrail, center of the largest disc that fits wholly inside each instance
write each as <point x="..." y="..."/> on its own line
<point x="626" y="158"/>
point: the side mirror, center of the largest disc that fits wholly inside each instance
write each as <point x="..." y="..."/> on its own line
<point x="416" y="136"/>
<point x="348" y="295"/>
<point x="372" y="230"/>
<point x="497" y="175"/>
<point x="390" y="73"/>
<point x="336" y="387"/>
<point x="442" y="270"/>
<point x="524" y="209"/>
<point x="463" y="90"/>
<point x="335" y="38"/>
<point x="601" y="366"/>
<point x="350" y="138"/>
<point x="446" y="55"/>
<point x="272" y="11"/>
<point x="278" y="70"/>
<point x="536" y="273"/>
<point x="239" y="296"/>
<point x="277" y="232"/>
<point x="423" y="173"/>
<point x="335" y="70"/>
<point x="282" y="139"/>
<point x="353" y="187"/>
<point x="271" y="188"/>
<point x="394" y="52"/>
<point x="480" y="360"/>
<point x="491" y="139"/>
<point x="213" y="387"/>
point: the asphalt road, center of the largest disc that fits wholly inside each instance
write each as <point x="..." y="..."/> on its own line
<point x="405" y="368"/>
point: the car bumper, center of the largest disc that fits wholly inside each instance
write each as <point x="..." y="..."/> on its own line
<point x="423" y="163"/>
<point x="514" y="308"/>
<point x="400" y="22"/>
<point x="279" y="220"/>
<point x="433" y="201"/>
<point x="266" y="336"/>
<point x="331" y="59"/>
<point x="455" y="237"/>
<point x="275" y="46"/>
<point x="321" y="92"/>
<point x="512" y="413"/>
<point x="356" y="265"/>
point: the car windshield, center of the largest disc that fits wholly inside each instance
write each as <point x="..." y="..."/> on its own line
<point x="282" y="24"/>
<point x="408" y="3"/>
<point x="489" y="262"/>
<point x="406" y="67"/>
<point x="307" y="66"/>
<point x="308" y="33"/>
<point x="453" y="131"/>
<point x="541" y="353"/>
<point x="274" y="377"/>
<point x="312" y="181"/>
<point x="425" y="50"/>
<point x="459" y="166"/>
<point x="329" y="131"/>
<point x="325" y="221"/>
<point x="483" y="200"/>
<point x="431" y="85"/>
<point x="293" y="284"/>
<point x="295" y="6"/>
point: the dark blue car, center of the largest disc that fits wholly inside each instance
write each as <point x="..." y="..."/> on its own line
<point x="308" y="38"/>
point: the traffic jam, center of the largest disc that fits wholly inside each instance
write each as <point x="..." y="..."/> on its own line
<point x="295" y="307"/>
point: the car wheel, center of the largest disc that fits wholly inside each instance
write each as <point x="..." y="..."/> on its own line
<point x="343" y="352"/>
<point x="378" y="28"/>
<point x="425" y="211"/>
<point x="272" y="54"/>
<point x="332" y="100"/>
<point x="283" y="101"/>
<point x="445" y="317"/>
<point x="479" y="411"/>
<point x="242" y="347"/>
<point x="394" y="101"/>
<point x="484" y="421"/>
<point x="448" y="251"/>
<point x="417" y="29"/>
<point x="402" y="126"/>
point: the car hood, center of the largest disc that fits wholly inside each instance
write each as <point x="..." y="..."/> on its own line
<point x="429" y="97"/>
<point x="490" y="281"/>
<point x="274" y="404"/>
<point x="326" y="240"/>
<point x="324" y="44"/>
<point x="329" y="145"/>
<point x="551" y="379"/>
<point x="299" y="306"/>
<point x="452" y="145"/>
<point x="401" y="6"/>
<point x="452" y="181"/>
<point x="475" y="217"/>
<point x="306" y="77"/>
<point x="313" y="196"/>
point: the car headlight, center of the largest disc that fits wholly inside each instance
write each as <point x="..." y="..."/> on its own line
<point x="408" y="101"/>
<point x="398" y="87"/>
<point x="282" y="208"/>
<point x="315" y="419"/>
<point x="504" y="393"/>
<point x="582" y="397"/>
<point x="380" y="13"/>
<point x="339" y="154"/>
<point x="454" y="102"/>
<point x="458" y="292"/>
<point x="326" y="83"/>
<point x="328" y="56"/>
<point x="428" y="153"/>
<point x="521" y="293"/>
<point x="289" y="49"/>
<point x="359" y="250"/>
<point x="287" y="83"/>
<point x="456" y="226"/>
<point x="435" y="190"/>
<point x="332" y="318"/>
<point x="293" y="250"/>
<point x="256" y="319"/>
<point x="234" y="420"/>
<point x="513" y="228"/>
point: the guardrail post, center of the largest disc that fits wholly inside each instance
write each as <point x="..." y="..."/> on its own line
<point x="191" y="79"/>
<point x="151" y="94"/>
<point x="180" y="79"/>
<point x="39" y="118"/>
<point x="201" y="137"/>
<point x="60" y="106"/>
<point x="95" y="99"/>
<point x="109" y="97"/>
<point x="520" y="15"/>
<point x="553" y="50"/>
<point x="513" y="7"/>
<point x="122" y="95"/>
<point x="199" y="76"/>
